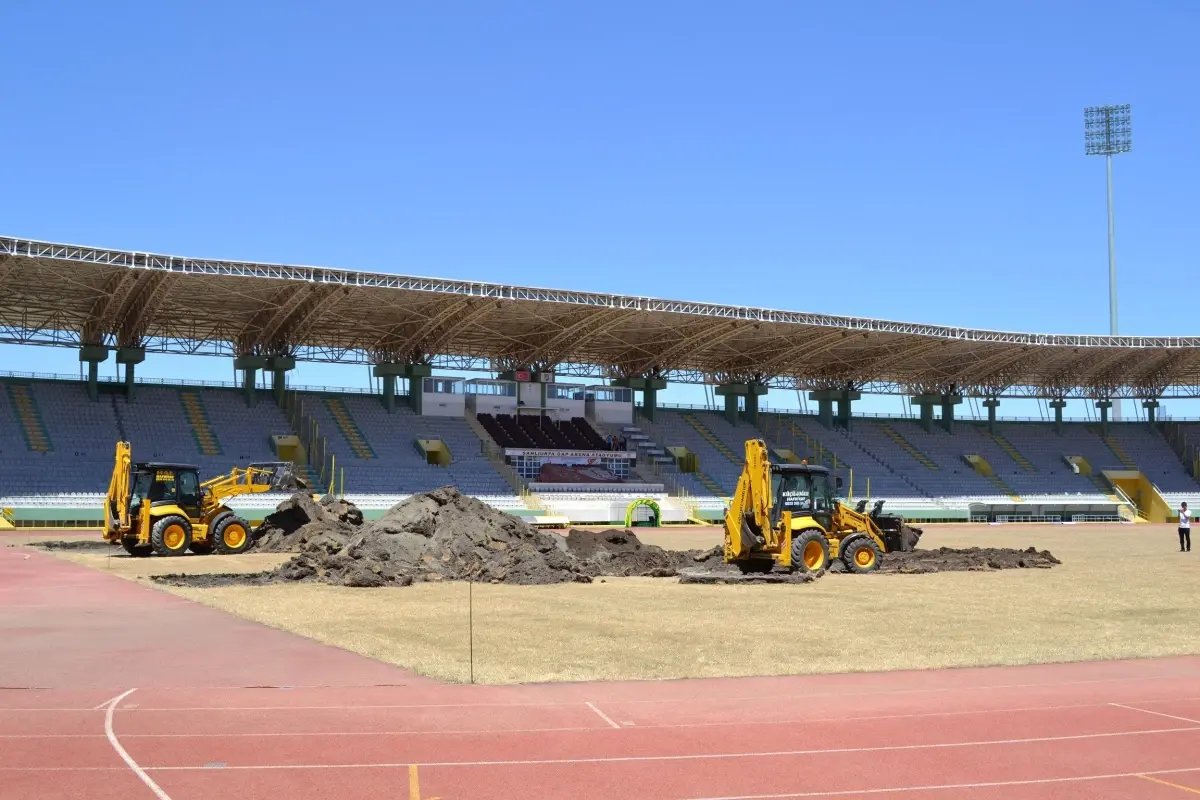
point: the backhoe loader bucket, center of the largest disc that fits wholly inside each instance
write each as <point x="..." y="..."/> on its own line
<point x="280" y="476"/>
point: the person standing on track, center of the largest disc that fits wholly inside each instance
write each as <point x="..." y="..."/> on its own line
<point x="1185" y="528"/>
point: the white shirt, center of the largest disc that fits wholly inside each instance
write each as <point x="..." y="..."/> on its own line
<point x="1185" y="518"/>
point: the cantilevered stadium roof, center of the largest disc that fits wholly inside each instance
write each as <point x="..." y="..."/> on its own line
<point x="69" y="295"/>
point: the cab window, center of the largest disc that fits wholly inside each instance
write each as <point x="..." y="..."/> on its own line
<point x="188" y="488"/>
<point x="794" y="492"/>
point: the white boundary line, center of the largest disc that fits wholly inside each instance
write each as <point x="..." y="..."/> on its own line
<point x="685" y="757"/>
<point x="947" y="786"/>
<point x="618" y="701"/>
<point x="116" y="745"/>
<point x="1158" y="713"/>
<point x="568" y="728"/>
<point x="602" y="715"/>
<point x="112" y="700"/>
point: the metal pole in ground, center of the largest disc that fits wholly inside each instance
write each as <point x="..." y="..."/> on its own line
<point x="471" y="626"/>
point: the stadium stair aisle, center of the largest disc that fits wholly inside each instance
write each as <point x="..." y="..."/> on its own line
<point x="1118" y="451"/>
<point x="1104" y="487"/>
<point x="710" y="484"/>
<point x="921" y="458"/>
<point x="1004" y="487"/>
<point x="711" y="438"/>
<point x="1012" y="452"/>
<point x="37" y="438"/>
<point x="349" y="428"/>
<point x="202" y="432"/>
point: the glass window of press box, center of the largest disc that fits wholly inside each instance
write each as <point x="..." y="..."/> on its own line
<point x="441" y="386"/>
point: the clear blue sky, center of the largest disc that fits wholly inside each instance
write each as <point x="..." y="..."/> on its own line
<point x="920" y="161"/>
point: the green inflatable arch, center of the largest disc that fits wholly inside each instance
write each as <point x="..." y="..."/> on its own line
<point x="643" y="501"/>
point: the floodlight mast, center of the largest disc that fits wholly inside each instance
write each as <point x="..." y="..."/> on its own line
<point x="1108" y="131"/>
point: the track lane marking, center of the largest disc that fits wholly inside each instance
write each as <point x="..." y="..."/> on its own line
<point x="1179" y="786"/>
<point x="128" y="759"/>
<point x="656" y="701"/>
<point x="1158" y="713"/>
<point x="569" y="728"/>
<point x="602" y="715"/>
<point x="664" y="758"/>
<point x="103" y="706"/>
<point x="948" y="786"/>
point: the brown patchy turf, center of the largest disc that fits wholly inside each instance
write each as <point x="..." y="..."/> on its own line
<point x="1121" y="592"/>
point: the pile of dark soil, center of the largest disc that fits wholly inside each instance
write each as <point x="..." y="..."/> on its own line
<point x="86" y="545"/>
<point x="621" y="553"/>
<point x="446" y="535"/>
<point x="971" y="559"/>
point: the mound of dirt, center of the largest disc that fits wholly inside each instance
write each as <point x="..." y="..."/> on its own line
<point x="971" y="559"/>
<point x="621" y="553"/>
<point x="438" y="535"/>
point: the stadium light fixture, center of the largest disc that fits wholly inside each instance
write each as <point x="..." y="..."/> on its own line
<point x="1108" y="130"/>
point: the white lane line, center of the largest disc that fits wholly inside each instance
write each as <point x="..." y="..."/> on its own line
<point x="1157" y="713"/>
<point x="617" y="701"/>
<point x="687" y="757"/>
<point x="128" y="759"/>
<point x="571" y="728"/>
<point x="112" y="700"/>
<point x="602" y="715"/>
<point x="948" y="786"/>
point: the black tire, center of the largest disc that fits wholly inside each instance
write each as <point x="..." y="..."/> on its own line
<point x="171" y="535"/>
<point x="810" y="552"/>
<point x="226" y="538"/>
<point x="844" y="547"/>
<point x="130" y="543"/>
<point x="205" y="547"/>
<point x="862" y="555"/>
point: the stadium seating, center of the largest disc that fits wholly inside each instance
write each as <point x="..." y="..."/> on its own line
<point x="159" y="426"/>
<point x="542" y="433"/>
<point x="396" y="464"/>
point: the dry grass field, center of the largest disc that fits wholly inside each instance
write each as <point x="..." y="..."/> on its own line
<point x="1121" y="592"/>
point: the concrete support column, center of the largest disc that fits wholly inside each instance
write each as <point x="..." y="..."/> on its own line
<point x="991" y="404"/>
<point x="824" y="400"/>
<point x="926" y="403"/>
<point x="649" y="387"/>
<point x="93" y="355"/>
<point x="250" y="365"/>
<point x="753" y="392"/>
<point x="280" y="366"/>
<point x="129" y="356"/>
<point x="731" y="408"/>
<point x="1058" y="404"/>
<point x="731" y="392"/>
<point x="1151" y="407"/>
<point x="846" y="398"/>
<point x="949" y="401"/>
<point x="416" y="374"/>
<point x="389" y="372"/>
<point x="1104" y="406"/>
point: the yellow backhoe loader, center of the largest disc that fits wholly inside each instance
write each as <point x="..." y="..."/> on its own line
<point x="163" y="508"/>
<point x="789" y="514"/>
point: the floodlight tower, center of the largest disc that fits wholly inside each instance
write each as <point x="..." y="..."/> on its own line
<point x="1108" y="131"/>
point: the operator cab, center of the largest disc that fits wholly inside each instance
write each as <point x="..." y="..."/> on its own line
<point x="804" y="490"/>
<point x="165" y="484"/>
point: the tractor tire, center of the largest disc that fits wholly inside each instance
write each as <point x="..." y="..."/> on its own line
<point x="862" y="555"/>
<point x="230" y="536"/>
<point x="130" y="543"/>
<point x="810" y="552"/>
<point x="205" y="547"/>
<point x="171" y="535"/>
<point x="845" y="544"/>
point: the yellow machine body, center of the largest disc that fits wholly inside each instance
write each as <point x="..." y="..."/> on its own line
<point x="164" y="508"/>
<point x="788" y="515"/>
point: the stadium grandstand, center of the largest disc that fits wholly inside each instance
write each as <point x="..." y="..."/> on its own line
<point x="564" y="422"/>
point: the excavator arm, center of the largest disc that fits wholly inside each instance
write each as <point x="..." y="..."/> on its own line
<point x="116" y="502"/>
<point x="748" y="525"/>
<point x="255" y="479"/>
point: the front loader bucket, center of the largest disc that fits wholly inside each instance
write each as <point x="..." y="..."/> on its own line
<point x="281" y="476"/>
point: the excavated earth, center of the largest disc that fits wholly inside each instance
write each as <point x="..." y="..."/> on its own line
<point x="446" y="535"/>
<point x="436" y="536"/>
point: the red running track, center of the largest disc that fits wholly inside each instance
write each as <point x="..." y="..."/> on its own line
<point x="116" y="690"/>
